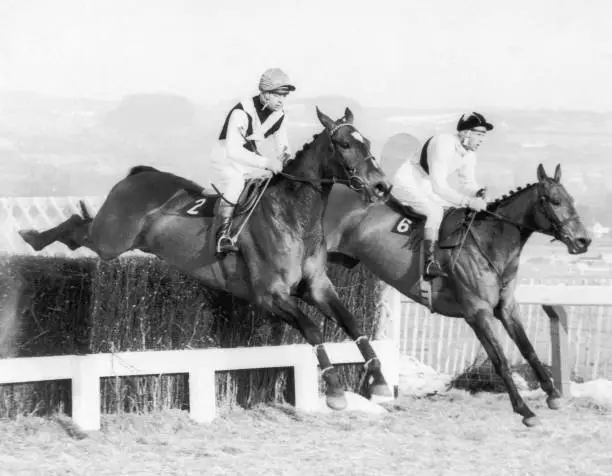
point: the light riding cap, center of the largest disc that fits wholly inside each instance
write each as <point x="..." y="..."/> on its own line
<point x="275" y="80"/>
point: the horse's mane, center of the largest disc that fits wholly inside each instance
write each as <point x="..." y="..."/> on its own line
<point x="507" y="196"/>
<point x="297" y="157"/>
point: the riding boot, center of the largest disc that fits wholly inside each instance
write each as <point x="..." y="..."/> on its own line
<point x="225" y="242"/>
<point x="432" y="266"/>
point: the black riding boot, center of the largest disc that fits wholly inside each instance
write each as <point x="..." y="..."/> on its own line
<point x="432" y="266"/>
<point x="225" y="243"/>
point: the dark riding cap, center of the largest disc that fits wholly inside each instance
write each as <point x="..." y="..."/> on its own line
<point x="470" y="120"/>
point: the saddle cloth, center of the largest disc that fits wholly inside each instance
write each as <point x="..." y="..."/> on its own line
<point x="206" y="203"/>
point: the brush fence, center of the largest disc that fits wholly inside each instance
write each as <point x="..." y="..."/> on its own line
<point x="575" y="343"/>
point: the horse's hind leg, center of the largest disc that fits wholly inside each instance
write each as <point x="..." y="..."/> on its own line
<point x="73" y="233"/>
<point x="480" y="323"/>
<point x="509" y="315"/>
<point x="282" y="305"/>
<point x="322" y="295"/>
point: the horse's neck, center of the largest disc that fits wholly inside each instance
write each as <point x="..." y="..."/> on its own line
<point x="311" y="161"/>
<point x="305" y="201"/>
<point x="518" y="208"/>
<point x="503" y="240"/>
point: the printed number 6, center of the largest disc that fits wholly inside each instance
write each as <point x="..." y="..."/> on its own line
<point x="403" y="226"/>
<point x="196" y="208"/>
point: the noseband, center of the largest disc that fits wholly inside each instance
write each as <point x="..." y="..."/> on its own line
<point x="546" y="209"/>
<point x="543" y="205"/>
<point x="354" y="181"/>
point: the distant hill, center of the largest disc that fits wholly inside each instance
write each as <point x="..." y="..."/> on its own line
<point x="74" y="146"/>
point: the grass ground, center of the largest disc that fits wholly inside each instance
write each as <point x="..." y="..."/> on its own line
<point x="452" y="434"/>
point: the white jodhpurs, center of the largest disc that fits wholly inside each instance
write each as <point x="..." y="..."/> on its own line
<point x="229" y="176"/>
<point x="412" y="187"/>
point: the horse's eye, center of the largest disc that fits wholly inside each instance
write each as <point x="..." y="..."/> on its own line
<point x="555" y="201"/>
<point x="344" y="145"/>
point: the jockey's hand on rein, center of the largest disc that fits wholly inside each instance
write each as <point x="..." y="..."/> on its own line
<point x="274" y="165"/>
<point x="284" y="158"/>
<point x="477" y="204"/>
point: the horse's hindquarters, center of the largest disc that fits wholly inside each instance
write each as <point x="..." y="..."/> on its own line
<point x="119" y="224"/>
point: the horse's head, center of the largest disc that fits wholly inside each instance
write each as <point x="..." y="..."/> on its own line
<point x="555" y="213"/>
<point x="352" y="158"/>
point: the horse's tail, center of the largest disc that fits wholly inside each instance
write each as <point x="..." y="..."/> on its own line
<point x="141" y="168"/>
<point x="84" y="211"/>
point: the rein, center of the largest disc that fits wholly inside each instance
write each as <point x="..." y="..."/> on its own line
<point x="556" y="225"/>
<point x="352" y="180"/>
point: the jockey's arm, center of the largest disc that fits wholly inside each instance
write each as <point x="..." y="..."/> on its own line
<point x="467" y="175"/>
<point x="441" y="151"/>
<point x="235" y="140"/>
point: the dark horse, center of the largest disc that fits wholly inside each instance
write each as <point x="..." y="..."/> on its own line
<point x="282" y="246"/>
<point x="482" y="268"/>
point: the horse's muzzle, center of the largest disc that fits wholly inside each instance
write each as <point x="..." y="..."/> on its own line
<point x="381" y="190"/>
<point x="578" y="245"/>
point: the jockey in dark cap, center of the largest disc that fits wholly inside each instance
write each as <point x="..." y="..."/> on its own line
<point x="422" y="181"/>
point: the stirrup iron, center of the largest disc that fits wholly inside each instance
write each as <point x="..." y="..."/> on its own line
<point x="225" y="240"/>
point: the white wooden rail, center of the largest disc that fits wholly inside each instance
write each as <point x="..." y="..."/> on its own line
<point x="85" y="372"/>
<point x="552" y="298"/>
<point x="564" y="295"/>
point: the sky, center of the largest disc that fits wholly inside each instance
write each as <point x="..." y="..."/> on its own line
<point x="430" y="54"/>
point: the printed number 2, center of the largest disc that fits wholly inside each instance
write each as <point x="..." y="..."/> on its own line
<point x="199" y="203"/>
<point x="403" y="225"/>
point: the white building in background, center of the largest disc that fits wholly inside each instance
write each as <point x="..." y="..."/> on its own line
<point x="599" y="230"/>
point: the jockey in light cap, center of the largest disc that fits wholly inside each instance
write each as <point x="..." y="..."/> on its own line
<point x="422" y="181"/>
<point x="236" y="156"/>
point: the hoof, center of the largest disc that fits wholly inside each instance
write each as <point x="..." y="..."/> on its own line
<point x="554" y="403"/>
<point x="31" y="238"/>
<point x="336" y="402"/>
<point x="531" y="421"/>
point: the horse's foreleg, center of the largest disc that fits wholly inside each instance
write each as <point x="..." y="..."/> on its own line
<point x="73" y="233"/>
<point x="509" y="315"/>
<point x="323" y="296"/>
<point x="480" y="323"/>
<point x="283" y="306"/>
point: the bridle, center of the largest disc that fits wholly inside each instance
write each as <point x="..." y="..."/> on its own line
<point x="545" y="208"/>
<point x="352" y="180"/>
<point x="557" y="226"/>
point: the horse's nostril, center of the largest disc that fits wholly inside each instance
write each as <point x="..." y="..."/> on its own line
<point x="583" y="242"/>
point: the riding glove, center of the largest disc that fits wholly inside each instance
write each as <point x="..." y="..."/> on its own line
<point x="477" y="204"/>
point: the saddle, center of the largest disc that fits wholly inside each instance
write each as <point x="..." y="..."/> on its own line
<point x="411" y="224"/>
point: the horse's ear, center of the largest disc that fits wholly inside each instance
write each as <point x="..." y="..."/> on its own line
<point x="541" y="173"/>
<point x="558" y="173"/>
<point x="348" y="115"/>
<point x="325" y="120"/>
